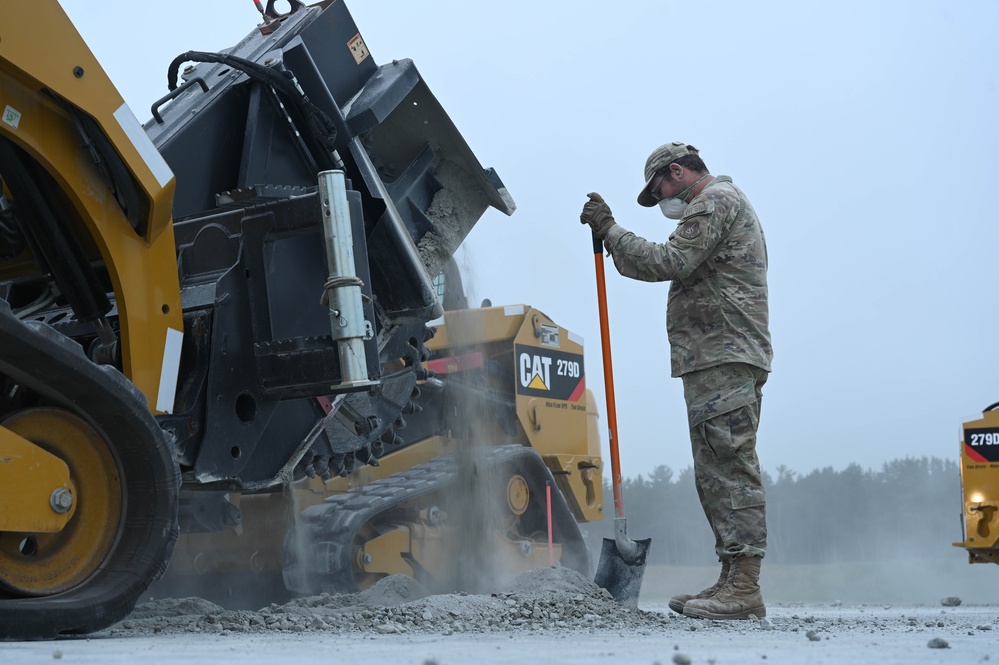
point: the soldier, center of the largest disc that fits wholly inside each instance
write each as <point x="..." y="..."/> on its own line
<point x="717" y="324"/>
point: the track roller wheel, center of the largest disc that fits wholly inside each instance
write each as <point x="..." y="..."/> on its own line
<point x="325" y="551"/>
<point x="124" y="480"/>
<point x="47" y="563"/>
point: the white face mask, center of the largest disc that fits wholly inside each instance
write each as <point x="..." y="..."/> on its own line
<point x="672" y="208"/>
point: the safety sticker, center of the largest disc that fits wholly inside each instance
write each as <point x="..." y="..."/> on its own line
<point x="143" y="144"/>
<point x="549" y="335"/>
<point x="11" y="117"/>
<point x="170" y="370"/>
<point x="358" y="49"/>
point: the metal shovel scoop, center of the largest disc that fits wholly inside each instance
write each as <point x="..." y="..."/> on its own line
<point x="622" y="560"/>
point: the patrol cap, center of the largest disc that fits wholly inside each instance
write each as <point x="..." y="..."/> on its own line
<point x="660" y="158"/>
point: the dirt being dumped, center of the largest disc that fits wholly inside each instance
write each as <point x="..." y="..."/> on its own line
<point x="455" y="209"/>
<point x="543" y="599"/>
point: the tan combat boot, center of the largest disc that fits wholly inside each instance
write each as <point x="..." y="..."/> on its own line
<point x="676" y="603"/>
<point x="739" y="598"/>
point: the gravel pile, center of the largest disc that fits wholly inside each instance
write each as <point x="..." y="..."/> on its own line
<point x="555" y="599"/>
<point x="552" y="598"/>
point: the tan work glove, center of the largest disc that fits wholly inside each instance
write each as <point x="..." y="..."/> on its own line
<point x="597" y="214"/>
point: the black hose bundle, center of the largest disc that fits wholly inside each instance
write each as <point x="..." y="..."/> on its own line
<point x="320" y="125"/>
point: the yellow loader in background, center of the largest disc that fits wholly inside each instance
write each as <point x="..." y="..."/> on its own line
<point x="461" y="507"/>
<point x="980" y="487"/>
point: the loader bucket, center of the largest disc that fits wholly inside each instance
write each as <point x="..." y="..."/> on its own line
<point x="422" y="188"/>
<point x="433" y="186"/>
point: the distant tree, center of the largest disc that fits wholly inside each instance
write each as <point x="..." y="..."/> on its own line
<point x="825" y="516"/>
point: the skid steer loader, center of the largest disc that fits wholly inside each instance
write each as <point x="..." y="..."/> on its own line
<point x="227" y="299"/>
<point x="980" y="487"/>
<point x="461" y="505"/>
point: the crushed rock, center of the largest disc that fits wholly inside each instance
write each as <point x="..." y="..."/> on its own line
<point x="553" y="598"/>
<point x="546" y="600"/>
<point x="393" y="590"/>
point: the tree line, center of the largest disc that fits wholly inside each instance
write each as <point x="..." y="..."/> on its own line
<point x="909" y="508"/>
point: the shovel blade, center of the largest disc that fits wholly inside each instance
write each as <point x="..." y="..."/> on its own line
<point x="621" y="576"/>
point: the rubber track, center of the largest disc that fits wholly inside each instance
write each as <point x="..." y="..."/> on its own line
<point x="38" y="357"/>
<point x="328" y="529"/>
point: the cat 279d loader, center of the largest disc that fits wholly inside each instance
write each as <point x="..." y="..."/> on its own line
<point x="218" y="303"/>
<point x="980" y="487"/>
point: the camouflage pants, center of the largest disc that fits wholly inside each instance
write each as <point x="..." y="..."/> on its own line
<point x="723" y="412"/>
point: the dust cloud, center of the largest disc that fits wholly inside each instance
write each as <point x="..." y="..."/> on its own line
<point x="475" y="518"/>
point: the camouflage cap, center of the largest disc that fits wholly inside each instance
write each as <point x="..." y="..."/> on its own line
<point x="660" y="158"/>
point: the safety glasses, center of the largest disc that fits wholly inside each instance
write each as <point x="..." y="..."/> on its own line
<point x="657" y="181"/>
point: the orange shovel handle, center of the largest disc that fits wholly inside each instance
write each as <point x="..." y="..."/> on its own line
<point x="605" y="347"/>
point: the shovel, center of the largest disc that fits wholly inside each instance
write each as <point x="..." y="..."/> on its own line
<point x="622" y="560"/>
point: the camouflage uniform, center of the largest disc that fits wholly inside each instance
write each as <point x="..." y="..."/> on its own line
<point x="717" y="323"/>
<point x="723" y="412"/>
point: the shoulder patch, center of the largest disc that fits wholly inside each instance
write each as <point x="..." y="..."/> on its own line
<point x="695" y="209"/>
<point x="689" y="230"/>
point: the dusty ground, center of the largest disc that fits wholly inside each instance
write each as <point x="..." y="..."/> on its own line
<point x="550" y="615"/>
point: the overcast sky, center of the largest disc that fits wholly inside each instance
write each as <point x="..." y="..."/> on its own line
<point x="862" y="132"/>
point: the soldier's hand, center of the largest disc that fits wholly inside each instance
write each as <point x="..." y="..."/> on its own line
<point x="597" y="214"/>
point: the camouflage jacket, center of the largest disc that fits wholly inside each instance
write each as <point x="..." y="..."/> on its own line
<point x="717" y="261"/>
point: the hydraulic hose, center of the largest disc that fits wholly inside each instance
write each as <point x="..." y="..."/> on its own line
<point x="320" y="125"/>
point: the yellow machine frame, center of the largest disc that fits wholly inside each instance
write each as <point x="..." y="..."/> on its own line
<point x="31" y="84"/>
<point x="980" y="485"/>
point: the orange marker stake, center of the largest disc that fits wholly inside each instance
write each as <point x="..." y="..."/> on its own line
<point x="551" y="549"/>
